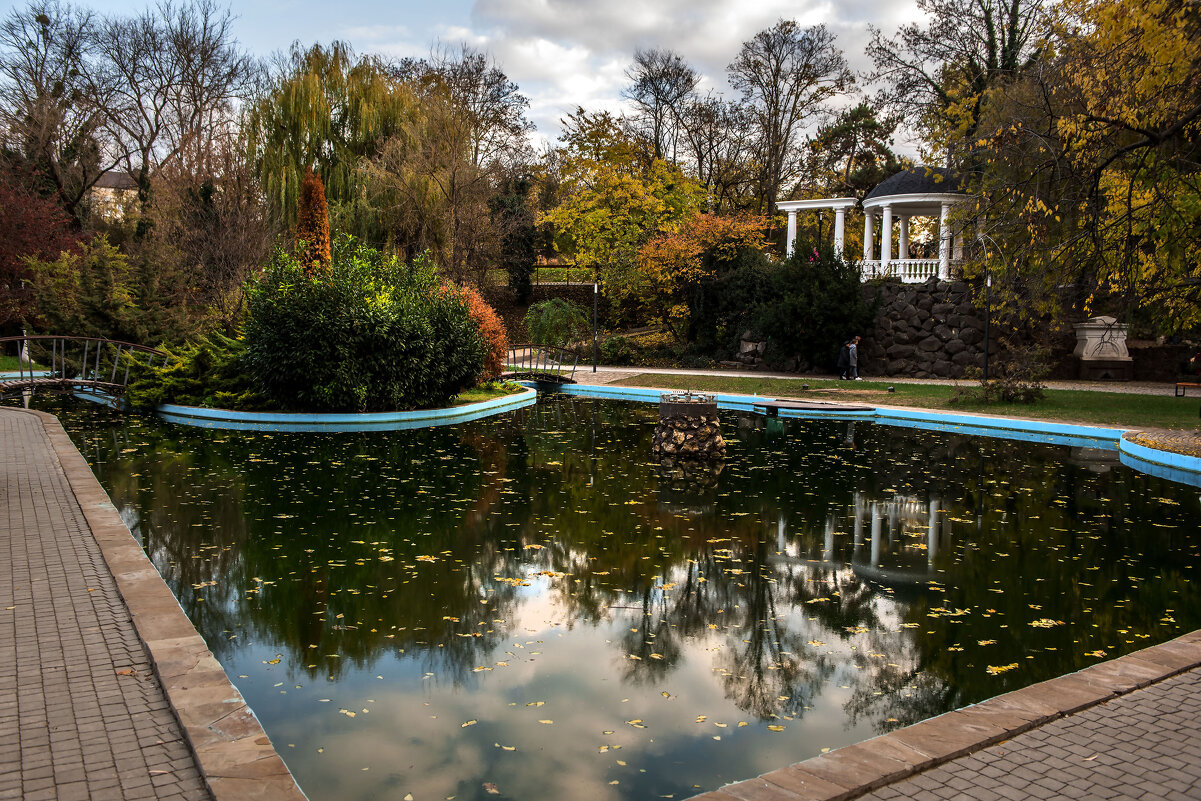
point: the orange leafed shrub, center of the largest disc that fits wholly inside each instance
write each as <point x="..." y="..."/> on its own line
<point x="492" y="329"/>
<point x="312" y="223"/>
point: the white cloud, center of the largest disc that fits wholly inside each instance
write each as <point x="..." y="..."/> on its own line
<point x="568" y="53"/>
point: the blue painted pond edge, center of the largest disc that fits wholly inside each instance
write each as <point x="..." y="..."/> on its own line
<point x="347" y="421"/>
<point x="1165" y="464"/>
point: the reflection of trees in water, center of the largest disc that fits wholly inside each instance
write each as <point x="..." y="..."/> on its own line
<point x="796" y="544"/>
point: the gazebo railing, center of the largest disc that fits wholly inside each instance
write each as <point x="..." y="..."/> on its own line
<point x="910" y="271"/>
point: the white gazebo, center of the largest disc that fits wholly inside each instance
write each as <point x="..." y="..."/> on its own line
<point x="917" y="192"/>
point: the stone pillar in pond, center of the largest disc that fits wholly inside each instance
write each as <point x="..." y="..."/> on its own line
<point x="688" y="428"/>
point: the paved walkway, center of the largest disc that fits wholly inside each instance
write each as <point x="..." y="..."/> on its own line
<point x="107" y="691"/>
<point x="1128" y="729"/>
<point x="82" y="713"/>
<point x="1146" y="745"/>
<point x="609" y="374"/>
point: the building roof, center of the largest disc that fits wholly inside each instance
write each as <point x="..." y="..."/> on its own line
<point x="115" y="179"/>
<point x="918" y="181"/>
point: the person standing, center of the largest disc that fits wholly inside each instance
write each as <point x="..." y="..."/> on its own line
<point x="853" y="359"/>
<point x="844" y="360"/>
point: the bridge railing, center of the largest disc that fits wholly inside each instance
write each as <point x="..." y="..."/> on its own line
<point x="542" y="363"/>
<point x="75" y="362"/>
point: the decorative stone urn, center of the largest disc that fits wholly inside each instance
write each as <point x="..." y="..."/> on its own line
<point x="1101" y="349"/>
<point x="688" y="428"/>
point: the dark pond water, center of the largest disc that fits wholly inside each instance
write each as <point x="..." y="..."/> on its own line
<point x="524" y="608"/>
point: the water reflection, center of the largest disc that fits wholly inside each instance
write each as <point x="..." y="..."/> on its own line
<point x="528" y="602"/>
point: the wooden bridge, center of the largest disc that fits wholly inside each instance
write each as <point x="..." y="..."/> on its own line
<point x="89" y="364"/>
<point x="542" y="363"/>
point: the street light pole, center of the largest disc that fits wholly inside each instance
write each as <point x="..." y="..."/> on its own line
<point x="987" y="315"/>
<point x="595" y="306"/>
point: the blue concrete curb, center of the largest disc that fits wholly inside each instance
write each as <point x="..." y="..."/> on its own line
<point x="1174" y="466"/>
<point x="6" y="375"/>
<point x="370" y="421"/>
<point x="1165" y="464"/>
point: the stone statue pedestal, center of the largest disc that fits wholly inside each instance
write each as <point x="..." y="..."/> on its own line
<point x="1101" y="349"/>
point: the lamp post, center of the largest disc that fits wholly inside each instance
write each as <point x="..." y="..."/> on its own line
<point x="987" y="299"/>
<point x="595" y="307"/>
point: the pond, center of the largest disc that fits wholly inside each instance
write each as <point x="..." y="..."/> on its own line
<point x="527" y="607"/>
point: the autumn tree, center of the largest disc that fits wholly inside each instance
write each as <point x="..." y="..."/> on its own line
<point x="785" y="74"/>
<point x="674" y="264"/>
<point x="1092" y="184"/>
<point x="30" y="227"/>
<point x="935" y="73"/>
<point x="613" y="204"/>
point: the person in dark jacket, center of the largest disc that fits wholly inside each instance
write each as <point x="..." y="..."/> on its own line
<point x="844" y="360"/>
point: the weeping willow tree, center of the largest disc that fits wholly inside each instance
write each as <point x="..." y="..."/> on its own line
<point x="328" y="111"/>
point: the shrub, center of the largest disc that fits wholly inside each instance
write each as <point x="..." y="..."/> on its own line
<point x="1017" y="377"/>
<point x="492" y="329"/>
<point x="208" y="372"/>
<point x="803" y="307"/>
<point x="556" y="322"/>
<point x="369" y="333"/>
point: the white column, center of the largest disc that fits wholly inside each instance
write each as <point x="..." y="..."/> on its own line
<point x="932" y="533"/>
<point x="876" y="521"/>
<point x="944" y="243"/>
<point x="886" y="239"/>
<point x="869" y="235"/>
<point x="788" y="249"/>
<point x="903" y="248"/>
<point x="840" y="225"/>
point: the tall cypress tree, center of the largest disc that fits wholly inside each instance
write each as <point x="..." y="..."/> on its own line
<point x="312" y="222"/>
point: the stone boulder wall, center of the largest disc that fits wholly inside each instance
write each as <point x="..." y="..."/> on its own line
<point x="929" y="330"/>
<point x="695" y="437"/>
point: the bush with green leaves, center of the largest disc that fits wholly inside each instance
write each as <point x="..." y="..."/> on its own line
<point x="805" y="307"/>
<point x="556" y="322"/>
<point x="208" y="372"/>
<point x="370" y="333"/>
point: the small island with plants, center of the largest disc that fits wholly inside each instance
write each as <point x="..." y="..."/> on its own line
<point x="337" y="329"/>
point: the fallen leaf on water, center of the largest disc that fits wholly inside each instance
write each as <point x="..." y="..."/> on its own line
<point x="546" y="721"/>
<point x="636" y="723"/>
<point x="491" y="788"/>
<point x="468" y="723"/>
<point x="776" y="728"/>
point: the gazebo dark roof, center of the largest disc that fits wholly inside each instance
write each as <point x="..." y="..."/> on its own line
<point x="918" y="181"/>
<point x="114" y="179"/>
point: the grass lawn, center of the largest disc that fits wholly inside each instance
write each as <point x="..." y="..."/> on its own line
<point x="1074" y="406"/>
<point x="487" y="392"/>
<point x="10" y="363"/>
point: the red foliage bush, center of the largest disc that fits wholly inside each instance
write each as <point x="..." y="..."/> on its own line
<point x="492" y="329"/>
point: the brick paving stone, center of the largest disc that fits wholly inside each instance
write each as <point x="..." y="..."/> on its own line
<point x="69" y="724"/>
<point x="1142" y="745"/>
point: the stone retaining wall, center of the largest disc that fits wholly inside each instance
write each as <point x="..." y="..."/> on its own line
<point x="929" y="330"/>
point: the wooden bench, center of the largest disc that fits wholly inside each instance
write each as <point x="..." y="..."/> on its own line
<point x="1183" y="386"/>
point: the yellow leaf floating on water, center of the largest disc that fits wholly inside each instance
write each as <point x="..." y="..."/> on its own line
<point x="505" y="747"/>
<point x="994" y="670"/>
<point x="547" y="722"/>
<point x="776" y="728"/>
<point x="636" y="723"/>
<point x="468" y="723"/>
<point x="1046" y="623"/>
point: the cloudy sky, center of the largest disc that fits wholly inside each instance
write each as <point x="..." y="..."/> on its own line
<point x="562" y="53"/>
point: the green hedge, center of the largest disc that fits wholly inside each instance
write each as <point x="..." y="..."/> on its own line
<point x="366" y="333"/>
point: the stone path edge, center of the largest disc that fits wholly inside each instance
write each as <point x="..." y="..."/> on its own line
<point x="234" y="753"/>
<point x="855" y="770"/>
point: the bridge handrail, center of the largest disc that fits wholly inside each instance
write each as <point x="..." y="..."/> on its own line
<point x="59" y="362"/>
<point x="545" y="362"/>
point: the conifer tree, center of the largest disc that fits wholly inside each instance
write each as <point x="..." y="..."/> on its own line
<point x="312" y="222"/>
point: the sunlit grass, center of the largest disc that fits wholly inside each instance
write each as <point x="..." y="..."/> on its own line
<point x="10" y="363"/>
